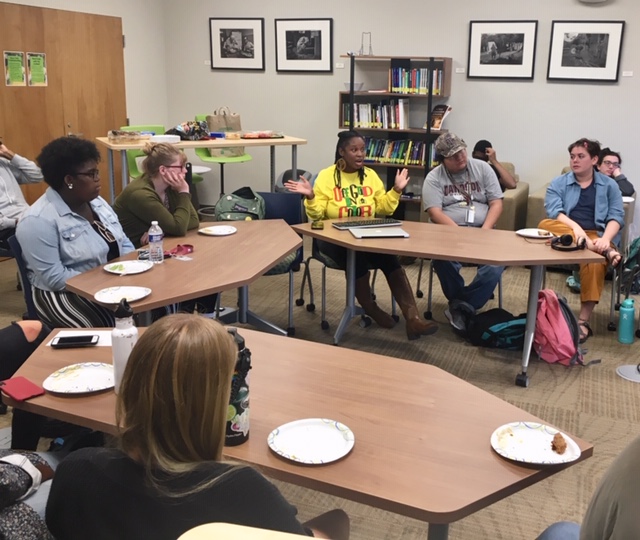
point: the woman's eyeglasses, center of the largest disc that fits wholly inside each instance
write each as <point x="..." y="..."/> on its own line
<point x="94" y="174"/>
<point x="610" y="163"/>
<point x="183" y="167"/>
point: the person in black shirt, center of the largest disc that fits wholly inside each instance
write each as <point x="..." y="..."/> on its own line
<point x="484" y="151"/>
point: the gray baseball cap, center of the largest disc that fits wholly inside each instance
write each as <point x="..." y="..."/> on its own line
<point x="448" y="144"/>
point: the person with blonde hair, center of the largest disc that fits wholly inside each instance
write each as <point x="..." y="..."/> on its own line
<point x="161" y="194"/>
<point x="168" y="474"/>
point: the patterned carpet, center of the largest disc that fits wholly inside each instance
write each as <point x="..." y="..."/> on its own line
<point x="592" y="403"/>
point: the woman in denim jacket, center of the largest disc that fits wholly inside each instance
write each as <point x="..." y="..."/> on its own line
<point x="588" y="206"/>
<point x="70" y="229"/>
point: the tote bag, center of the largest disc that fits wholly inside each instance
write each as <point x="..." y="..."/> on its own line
<point x="224" y="120"/>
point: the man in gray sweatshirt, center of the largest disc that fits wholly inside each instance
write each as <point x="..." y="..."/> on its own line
<point x="14" y="170"/>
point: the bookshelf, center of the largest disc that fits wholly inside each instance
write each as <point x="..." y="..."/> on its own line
<point x="393" y="112"/>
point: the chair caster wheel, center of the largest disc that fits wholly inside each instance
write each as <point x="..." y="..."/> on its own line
<point x="611" y="327"/>
<point x="291" y="332"/>
<point x="373" y="297"/>
<point x="419" y="293"/>
<point x="428" y="315"/>
<point x="365" y="322"/>
<point x="395" y="318"/>
<point x="311" y="308"/>
<point x="324" y="325"/>
<point x="617" y="306"/>
<point x="522" y="379"/>
<point x="638" y="333"/>
<point x="300" y="302"/>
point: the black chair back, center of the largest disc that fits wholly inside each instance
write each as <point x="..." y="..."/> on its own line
<point x="24" y="277"/>
<point x="286" y="206"/>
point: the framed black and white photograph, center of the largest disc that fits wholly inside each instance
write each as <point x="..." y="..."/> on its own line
<point x="304" y="45"/>
<point x="502" y="49"/>
<point x="237" y="43"/>
<point x="585" y="50"/>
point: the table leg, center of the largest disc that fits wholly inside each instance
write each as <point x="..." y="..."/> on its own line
<point x="535" y="284"/>
<point x="245" y="316"/>
<point x="125" y="168"/>
<point x="438" y="531"/>
<point x="112" y="175"/>
<point x="272" y="157"/>
<point x="294" y="162"/>
<point x="350" y="310"/>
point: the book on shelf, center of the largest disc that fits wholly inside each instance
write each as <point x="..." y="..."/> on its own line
<point x="387" y="114"/>
<point x="438" y="114"/>
<point x="415" y="81"/>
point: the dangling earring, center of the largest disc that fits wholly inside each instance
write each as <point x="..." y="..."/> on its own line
<point x="70" y="186"/>
<point x="341" y="164"/>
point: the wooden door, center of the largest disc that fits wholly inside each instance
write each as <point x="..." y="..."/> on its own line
<point x="85" y="95"/>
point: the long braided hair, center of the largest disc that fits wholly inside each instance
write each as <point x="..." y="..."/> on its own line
<point x="344" y="138"/>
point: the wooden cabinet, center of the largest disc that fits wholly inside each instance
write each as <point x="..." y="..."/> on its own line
<point x="390" y="100"/>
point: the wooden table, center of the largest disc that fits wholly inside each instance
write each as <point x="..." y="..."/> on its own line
<point x="422" y="435"/>
<point x="219" y="263"/>
<point x="293" y="142"/>
<point x="463" y="244"/>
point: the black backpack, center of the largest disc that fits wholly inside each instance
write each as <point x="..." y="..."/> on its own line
<point x="498" y="329"/>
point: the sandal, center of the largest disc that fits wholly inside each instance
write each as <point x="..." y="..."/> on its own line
<point x="584" y="336"/>
<point x="612" y="256"/>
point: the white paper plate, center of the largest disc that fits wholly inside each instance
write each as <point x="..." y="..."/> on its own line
<point x="530" y="442"/>
<point x="128" y="267"/>
<point x="628" y="199"/>
<point x="313" y="441"/>
<point x="80" y="378"/>
<point x="113" y="295"/>
<point x="540" y="234"/>
<point x="218" y="230"/>
<point x="165" y="138"/>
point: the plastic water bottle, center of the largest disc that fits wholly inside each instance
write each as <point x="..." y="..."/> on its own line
<point x="123" y="337"/>
<point x="156" y="250"/>
<point x="626" y="322"/>
<point x="238" y="411"/>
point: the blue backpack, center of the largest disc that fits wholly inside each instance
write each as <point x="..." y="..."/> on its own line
<point x="498" y="329"/>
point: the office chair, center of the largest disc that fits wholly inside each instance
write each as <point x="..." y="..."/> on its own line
<point x="203" y="154"/>
<point x="133" y="155"/>
<point x="286" y="206"/>
<point x="31" y="314"/>
<point x="428" y="314"/>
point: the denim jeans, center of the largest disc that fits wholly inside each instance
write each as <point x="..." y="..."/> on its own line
<point x="562" y="530"/>
<point x="478" y="292"/>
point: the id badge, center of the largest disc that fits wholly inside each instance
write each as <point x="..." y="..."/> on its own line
<point x="471" y="214"/>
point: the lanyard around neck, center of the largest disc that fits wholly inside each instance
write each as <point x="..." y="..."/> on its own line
<point x="467" y="197"/>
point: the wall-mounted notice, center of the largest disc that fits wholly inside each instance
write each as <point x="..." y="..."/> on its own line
<point x="14" y="69"/>
<point x="37" y="69"/>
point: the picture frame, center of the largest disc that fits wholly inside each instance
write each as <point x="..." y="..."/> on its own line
<point x="236" y="43"/>
<point x="585" y="51"/>
<point x="304" y="45"/>
<point x="502" y="49"/>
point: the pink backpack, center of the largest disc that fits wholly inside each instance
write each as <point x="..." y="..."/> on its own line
<point x="557" y="334"/>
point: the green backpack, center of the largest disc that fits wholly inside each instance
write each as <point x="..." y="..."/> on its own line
<point x="241" y="205"/>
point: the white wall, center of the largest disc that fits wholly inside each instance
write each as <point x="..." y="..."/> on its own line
<point x="530" y="123"/>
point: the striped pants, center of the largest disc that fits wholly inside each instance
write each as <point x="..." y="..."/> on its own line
<point x="62" y="309"/>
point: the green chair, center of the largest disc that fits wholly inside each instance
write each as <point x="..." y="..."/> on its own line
<point x="132" y="164"/>
<point x="203" y="154"/>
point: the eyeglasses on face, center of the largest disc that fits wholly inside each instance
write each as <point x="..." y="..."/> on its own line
<point x="94" y="174"/>
<point x="182" y="167"/>
<point x="611" y="163"/>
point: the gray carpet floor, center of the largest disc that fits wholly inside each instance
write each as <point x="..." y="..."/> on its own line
<point x="593" y="402"/>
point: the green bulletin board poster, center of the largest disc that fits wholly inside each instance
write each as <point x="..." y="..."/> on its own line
<point x="14" y="69"/>
<point x="37" y="64"/>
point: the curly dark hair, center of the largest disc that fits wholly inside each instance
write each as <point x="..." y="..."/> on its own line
<point x="592" y="147"/>
<point x="608" y="152"/>
<point x="344" y="138"/>
<point x="65" y="156"/>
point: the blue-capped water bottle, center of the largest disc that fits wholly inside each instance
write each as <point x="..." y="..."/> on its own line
<point x="626" y="322"/>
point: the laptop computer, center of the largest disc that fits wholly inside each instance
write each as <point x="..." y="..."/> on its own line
<point x="384" y="232"/>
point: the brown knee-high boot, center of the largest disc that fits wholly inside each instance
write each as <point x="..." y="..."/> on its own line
<point x="363" y="295"/>
<point x="403" y="294"/>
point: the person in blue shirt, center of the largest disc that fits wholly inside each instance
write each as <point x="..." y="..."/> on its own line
<point x="70" y="229"/>
<point x="587" y="205"/>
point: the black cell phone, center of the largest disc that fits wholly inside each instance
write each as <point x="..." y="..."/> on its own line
<point x="69" y="342"/>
